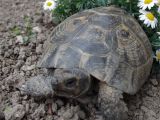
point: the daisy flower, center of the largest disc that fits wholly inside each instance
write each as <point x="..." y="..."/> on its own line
<point x="148" y="19"/>
<point x="49" y="5"/>
<point x="157" y="56"/>
<point x="146" y="4"/>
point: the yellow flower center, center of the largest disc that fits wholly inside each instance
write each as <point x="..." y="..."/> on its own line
<point x="150" y="16"/>
<point x="158" y="55"/>
<point x="147" y="1"/>
<point x="49" y="3"/>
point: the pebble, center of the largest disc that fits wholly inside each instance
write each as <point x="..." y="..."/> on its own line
<point x="81" y="114"/>
<point x="41" y="38"/>
<point x="16" y="50"/>
<point x="39" y="112"/>
<point x="2" y="51"/>
<point x="16" y="112"/>
<point x="49" y="117"/>
<point x="39" y="49"/>
<point x="59" y="103"/>
<point x="5" y="70"/>
<point x="19" y="63"/>
<point x="3" y="87"/>
<point x="6" y="54"/>
<point x="15" y="97"/>
<point x="22" y="55"/>
<point x="37" y="29"/>
<point x="75" y="117"/>
<point x="28" y="61"/>
<point x="28" y="68"/>
<point x="27" y="108"/>
<point x="10" y="43"/>
<point x="19" y="39"/>
<point x="68" y="114"/>
<point x="54" y="107"/>
<point x="154" y="82"/>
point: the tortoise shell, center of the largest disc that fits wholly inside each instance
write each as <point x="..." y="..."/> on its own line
<point x="107" y="42"/>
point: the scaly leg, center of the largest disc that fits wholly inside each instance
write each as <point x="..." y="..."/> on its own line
<point x="111" y="104"/>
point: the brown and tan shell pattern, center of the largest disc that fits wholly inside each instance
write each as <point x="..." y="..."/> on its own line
<point x="105" y="41"/>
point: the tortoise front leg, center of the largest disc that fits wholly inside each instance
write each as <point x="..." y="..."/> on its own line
<point x="111" y="104"/>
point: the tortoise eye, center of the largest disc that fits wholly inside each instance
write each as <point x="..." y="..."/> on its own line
<point x="70" y="82"/>
<point x="124" y="33"/>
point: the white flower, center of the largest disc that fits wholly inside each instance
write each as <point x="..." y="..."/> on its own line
<point x="148" y="19"/>
<point x="158" y="34"/>
<point x="49" y="5"/>
<point x="158" y="9"/>
<point x="157" y="56"/>
<point x="146" y="4"/>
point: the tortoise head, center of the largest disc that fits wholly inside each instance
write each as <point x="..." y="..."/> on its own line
<point x="70" y="83"/>
<point x="65" y="83"/>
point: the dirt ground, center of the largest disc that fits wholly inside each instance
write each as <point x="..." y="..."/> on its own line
<point x="26" y="19"/>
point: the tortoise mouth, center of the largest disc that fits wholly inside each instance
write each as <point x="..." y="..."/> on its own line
<point x="61" y="93"/>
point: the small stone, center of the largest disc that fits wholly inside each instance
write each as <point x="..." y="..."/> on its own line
<point x="32" y="45"/>
<point x="34" y="58"/>
<point x="81" y="114"/>
<point x="10" y="42"/>
<point x="22" y="54"/>
<point x="37" y="29"/>
<point x="39" y="49"/>
<point x="75" y="117"/>
<point x="16" y="112"/>
<point x="28" y="73"/>
<point x="154" y="82"/>
<point x="16" y="50"/>
<point x="2" y="51"/>
<point x="28" y="68"/>
<point x="54" y="107"/>
<point x="22" y="73"/>
<point x="19" y="39"/>
<point x="27" y="107"/>
<point x="68" y="114"/>
<point x="59" y="103"/>
<point x="3" y="87"/>
<point x="15" y="97"/>
<point x="41" y="38"/>
<point x="19" y="63"/>
<point x="6" y="70"/>
<point x="39" y="112"/>
<point x="6" y="54"/>
<point x="49" y="117"/>
<point x="29" y="61"/>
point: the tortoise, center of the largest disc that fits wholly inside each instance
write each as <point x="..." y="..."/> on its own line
<point x="103" y="44"/>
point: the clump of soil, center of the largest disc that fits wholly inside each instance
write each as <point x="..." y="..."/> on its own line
<point x="24" y="29"/>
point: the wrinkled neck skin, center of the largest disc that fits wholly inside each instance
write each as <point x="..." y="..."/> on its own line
<point x="91" y="95"/>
